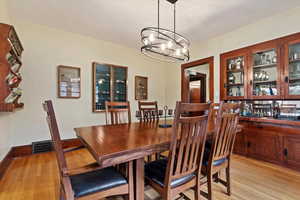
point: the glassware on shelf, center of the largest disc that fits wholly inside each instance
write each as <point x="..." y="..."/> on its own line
<point x="239" y="92"/>
<point x="231" y="79"/>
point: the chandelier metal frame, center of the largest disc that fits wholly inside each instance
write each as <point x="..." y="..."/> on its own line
<point x="164" y="44"/>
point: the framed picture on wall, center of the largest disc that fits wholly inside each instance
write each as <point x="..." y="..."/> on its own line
<point x="141" y="88"/>
<point x="68" y="82"/>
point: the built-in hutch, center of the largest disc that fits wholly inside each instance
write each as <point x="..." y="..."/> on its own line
<point x="265" y="79"/>
<point x="10" y="64"/>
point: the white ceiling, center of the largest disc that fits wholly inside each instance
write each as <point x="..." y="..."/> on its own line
<point x="120" y="21"/>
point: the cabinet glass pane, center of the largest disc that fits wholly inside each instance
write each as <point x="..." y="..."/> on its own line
<point x="235" y="76"/>
<point x="265" y="73"/>
<point x="120" y="83"/>
<point x="294" y="69"/>
<point x="102" y="86"/>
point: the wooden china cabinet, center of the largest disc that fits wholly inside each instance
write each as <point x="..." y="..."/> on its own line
<point x="267" y="77"/>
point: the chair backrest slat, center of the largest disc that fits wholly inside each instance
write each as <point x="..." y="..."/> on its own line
<point x="55" y="136"/>
<point x="119" y="112"/>
<point x="225" y="131"/>
<point x="188" y="140"/>
<point x="148" y="110"/>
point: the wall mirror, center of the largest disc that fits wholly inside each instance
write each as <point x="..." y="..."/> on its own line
<point x="68" y="82"/>
<point x="109" y="84"/>
<point x="198" y="81"/>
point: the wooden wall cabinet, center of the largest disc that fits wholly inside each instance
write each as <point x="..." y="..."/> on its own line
<point x="109" y="84"/>
<point x="291" y="151"/>
<point x="234" y="75"/>
<point x="271" y="70"/>
<point x="268" y="142"/>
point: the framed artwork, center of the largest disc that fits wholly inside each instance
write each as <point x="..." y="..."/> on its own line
<point x="141" y="88"/>
<point x="68" y="82"/>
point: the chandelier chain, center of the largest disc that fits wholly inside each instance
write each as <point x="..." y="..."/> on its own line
<point x="174" y="19"/>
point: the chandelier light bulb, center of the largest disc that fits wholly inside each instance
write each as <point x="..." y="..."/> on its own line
<point x="177" y="52"/>
<point x="184" y="50"/>
<point x="163" y="47"/>
<point x="146" y="42"/>
<point x="170" y="44"/>
<point x="151" y="37"/>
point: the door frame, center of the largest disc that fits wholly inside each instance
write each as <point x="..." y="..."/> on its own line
<point x="185" y="81"/>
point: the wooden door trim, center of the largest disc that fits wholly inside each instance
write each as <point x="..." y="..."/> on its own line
<point x="210" y="62"/>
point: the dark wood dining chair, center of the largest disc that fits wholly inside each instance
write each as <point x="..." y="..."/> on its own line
<point x="117" y="112"/>
<point x="148" y="111"/>
<point x="88" y="182"/>
<point x="181" y="170"/>
<point x="217" y="154"/>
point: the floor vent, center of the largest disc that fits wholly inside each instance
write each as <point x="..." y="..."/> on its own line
<point x="42" y="146"/>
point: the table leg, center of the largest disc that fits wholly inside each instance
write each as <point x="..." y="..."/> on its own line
<point x="139" y="179"/>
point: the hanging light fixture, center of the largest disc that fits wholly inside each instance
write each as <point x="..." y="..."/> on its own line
<point x="164" y="44"/>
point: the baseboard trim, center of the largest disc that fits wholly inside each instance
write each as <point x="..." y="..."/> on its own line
<point x="26" y="150"/>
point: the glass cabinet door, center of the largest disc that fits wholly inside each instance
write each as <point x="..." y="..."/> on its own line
<point x="102" y="76"/>
<point x="120" y="84"/>
<point x="235" y="77"/>
<point x="109" y="84"/>
<point x="265" y="74"/>
<point x="293" y="79"/>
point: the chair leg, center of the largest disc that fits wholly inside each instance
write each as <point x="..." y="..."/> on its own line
<point x="209" y="186"/>
<point x="228" y="185"/>
<point x="61" y="194"/>
<point x="198" y="191"/>
<point x="130" y="181"/>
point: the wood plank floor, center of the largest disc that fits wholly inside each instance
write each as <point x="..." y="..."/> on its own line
<point x="36" y="178"/>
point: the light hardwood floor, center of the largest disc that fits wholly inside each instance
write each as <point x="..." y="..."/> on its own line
<point x="36" y="178"/>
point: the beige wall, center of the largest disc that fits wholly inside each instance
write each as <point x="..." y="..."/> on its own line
<point x="273" y="27"/>
<point x="45" y="49"/>
<point x="5" y="118"/>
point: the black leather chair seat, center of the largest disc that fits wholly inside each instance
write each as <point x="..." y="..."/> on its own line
<point x="156" y="171"/>
<point x="96" y="181"/>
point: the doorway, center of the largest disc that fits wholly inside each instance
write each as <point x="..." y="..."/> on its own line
<point x="197" y="81"/>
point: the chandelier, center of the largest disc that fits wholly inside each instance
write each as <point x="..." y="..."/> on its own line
<point x="164" y="44"/>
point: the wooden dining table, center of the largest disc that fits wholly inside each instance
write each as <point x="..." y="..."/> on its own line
<point x="115" y="144"/>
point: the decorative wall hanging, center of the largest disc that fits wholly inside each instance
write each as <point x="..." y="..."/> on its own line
<point x="141" y="88"/>
<point x="68" y="82"/>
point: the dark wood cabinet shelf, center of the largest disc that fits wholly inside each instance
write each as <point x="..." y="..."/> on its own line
<point x="263" y="82"/>
<point x="235" y="71"/>
<point x="10" y="65"/>
<point x="294" y="61"/>
<point x="291" y="80"/>
<point x="265" y="66"/>
<point x="235" y="85"/>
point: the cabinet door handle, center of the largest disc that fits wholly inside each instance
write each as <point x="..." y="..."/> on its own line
<point x="285" y="152"/>
<point x="225" y="85"/>
<point x="251" y="82"/>
<point x="286" y="79"/>
<point x="248" y="144"/>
